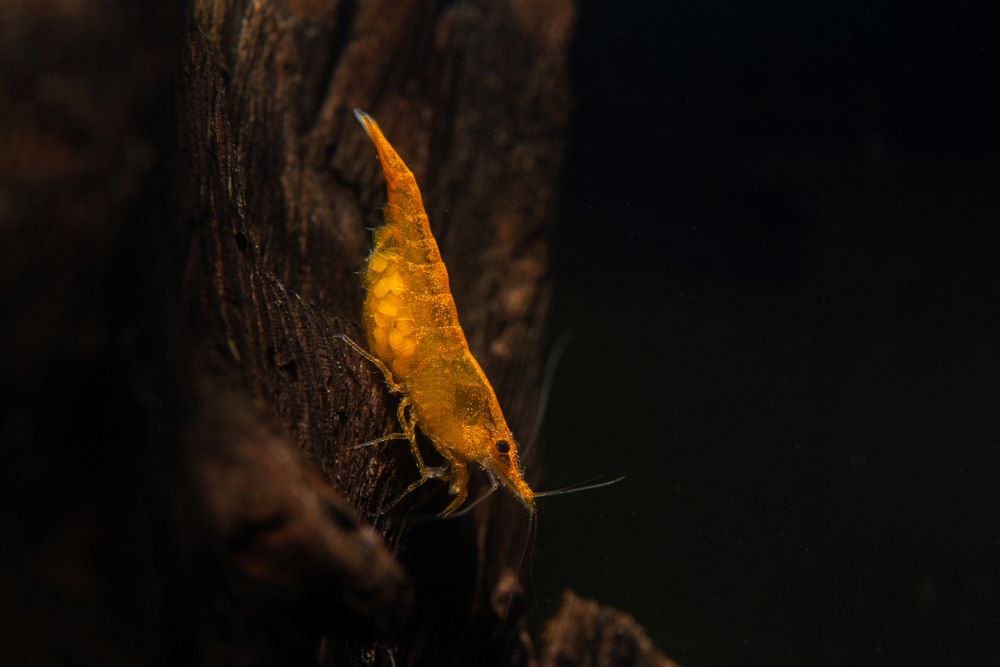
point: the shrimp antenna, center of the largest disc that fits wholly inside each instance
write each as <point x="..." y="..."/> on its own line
<point x="548" y="377"/>
<point x="529" y="539"/>
<point x="579" y="486"/>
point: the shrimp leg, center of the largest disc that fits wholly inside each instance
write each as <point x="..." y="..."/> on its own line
<point x="394" y="386"/>
<point x="407" y="422"/>
<point x="380" y="439"/>
<point x="458" y="471"/>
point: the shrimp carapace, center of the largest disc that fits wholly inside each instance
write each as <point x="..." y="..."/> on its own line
<point x="416" y="339"/>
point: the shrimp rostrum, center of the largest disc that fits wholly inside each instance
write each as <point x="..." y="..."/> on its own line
<point x="415" y="339"/>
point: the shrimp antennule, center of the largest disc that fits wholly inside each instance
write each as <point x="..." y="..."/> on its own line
<point x="580" y="486"/>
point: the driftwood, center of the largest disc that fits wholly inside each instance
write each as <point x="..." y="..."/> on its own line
<point x="189" y="220"/>
<point x="586" y="634"/>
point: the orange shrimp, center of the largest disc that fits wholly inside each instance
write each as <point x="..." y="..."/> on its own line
<point x="415" y="339"/>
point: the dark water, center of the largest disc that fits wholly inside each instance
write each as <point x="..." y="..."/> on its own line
<point x="777" y="254"/>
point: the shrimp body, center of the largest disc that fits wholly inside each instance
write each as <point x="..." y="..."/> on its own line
<point x="412" y="328"/>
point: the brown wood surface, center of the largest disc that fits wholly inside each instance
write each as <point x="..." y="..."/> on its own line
<point x="585" y="634"/>
<point x="185" y="197"/>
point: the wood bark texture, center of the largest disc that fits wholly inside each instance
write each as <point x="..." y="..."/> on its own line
<point x="585" y="634"/>
<point x="185" y="199"/>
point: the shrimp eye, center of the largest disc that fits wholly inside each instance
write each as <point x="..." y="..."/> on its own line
<point x="503" y="446"/>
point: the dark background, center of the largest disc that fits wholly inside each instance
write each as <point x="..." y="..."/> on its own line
<point x="776" y="254"/>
